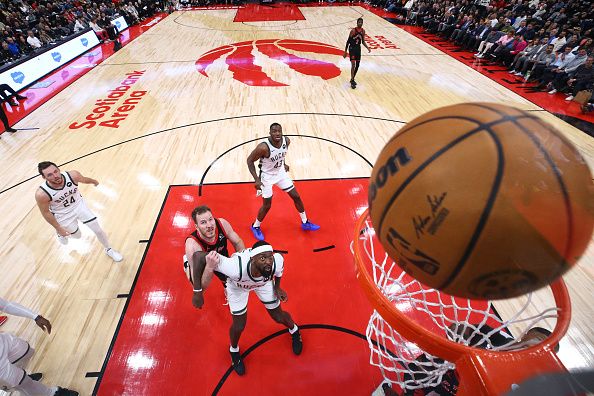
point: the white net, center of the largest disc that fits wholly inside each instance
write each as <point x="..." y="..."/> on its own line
<point x="468" y="322"/>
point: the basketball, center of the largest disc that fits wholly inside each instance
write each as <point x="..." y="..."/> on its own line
<point x="482" y="201"/>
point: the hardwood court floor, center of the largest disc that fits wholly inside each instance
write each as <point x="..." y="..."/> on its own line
<point x="180" y="123"/>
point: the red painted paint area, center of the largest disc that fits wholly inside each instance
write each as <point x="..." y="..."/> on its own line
<point x="67" y="74"/>
<point x="165" y="346"/>
<point x="241" y="60"/>
<point x="271" y="12"/>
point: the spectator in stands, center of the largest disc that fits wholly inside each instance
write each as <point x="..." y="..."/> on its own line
<point x="26" y="49"/>
<point x="530" y="53"/>
<point x="560" y="61"/>
<point x="508" y="54"/>
<point x="539" y="62"/>
<point x="490" y="47"/>
<point x="5" y="54"/>
<point x="78" y="25"/>
<point x="32" y="40"/>
<point x="480" y="33"/>
<point x="559" y="41"/>
<point x="99" y="31"/>
<point x="582" y="79"/>
<point x="13" y="47"/>
<point x="559" y="76"/>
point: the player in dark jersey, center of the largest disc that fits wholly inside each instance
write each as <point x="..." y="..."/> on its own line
<point x="211" y="234"/>
<point x="353" y="47"/>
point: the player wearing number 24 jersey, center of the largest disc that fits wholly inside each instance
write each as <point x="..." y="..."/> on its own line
<point x="62" y="205"/>
<point x="273" y="171"/>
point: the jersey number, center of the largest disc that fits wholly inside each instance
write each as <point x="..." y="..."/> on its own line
<point x="278" y="164"/>
<point x="67" y="202"/>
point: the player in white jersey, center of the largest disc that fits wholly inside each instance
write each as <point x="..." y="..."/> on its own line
<point x="273" y="170"/>
<point x="62" y="205"/>
<point x="258" y="269"/>
<point x="15" y="354"/>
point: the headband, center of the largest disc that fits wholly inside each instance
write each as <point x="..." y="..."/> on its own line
<point x="260" y="249"/>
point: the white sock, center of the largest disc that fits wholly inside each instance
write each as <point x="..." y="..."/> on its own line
<point x="294" y="329"/>
<point x="33" y="388"/>
<point x="303" y="217"/>
<point x="257" y="223"/>
<point x="234" y="349"/>
<point x="96" y="228"/>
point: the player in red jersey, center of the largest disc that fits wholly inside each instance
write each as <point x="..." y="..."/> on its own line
<point x="211" y="234"/>
<point x="353" y="46"/>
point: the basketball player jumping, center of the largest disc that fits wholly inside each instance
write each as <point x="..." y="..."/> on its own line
<point x="15" y="353"/>
<point x="273" y="170"/>
<point x="353" y="46"/>
<point x="62" y="205"/>
<point x="258" y="269"/>
<point x="211" y="234"/>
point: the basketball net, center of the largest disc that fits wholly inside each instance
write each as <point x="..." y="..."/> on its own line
<point x="417" y="334"/>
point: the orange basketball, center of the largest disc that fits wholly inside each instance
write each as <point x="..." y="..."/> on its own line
<point x="482" y="201"/>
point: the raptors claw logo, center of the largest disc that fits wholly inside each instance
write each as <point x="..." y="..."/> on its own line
<point x="241" y="61"/>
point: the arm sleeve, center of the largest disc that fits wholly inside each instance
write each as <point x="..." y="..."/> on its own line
<point x="279" y="260"/>
<point x="16" y="309"/>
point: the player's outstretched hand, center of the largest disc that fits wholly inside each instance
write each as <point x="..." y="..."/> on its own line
<point x="212" y="259"/>
<point x="368" y="50"/>
<point x="286" y="167"/>
<point x="344" y="55"/>
<point x="44" y="324"/>
<point x="282" y="295"/>
<point x="258" y="185"/>
<point x="198" y="300"/>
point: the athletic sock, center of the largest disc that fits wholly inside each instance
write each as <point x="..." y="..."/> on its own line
<point x="294" y="329"/>
<point x="303" y="217"/>
<point x="232" y="349"/>
<point x="257" y="223"/>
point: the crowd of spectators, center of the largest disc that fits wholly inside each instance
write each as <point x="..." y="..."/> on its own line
<point x="27" y="26"/>
<point x="548" y="42"/>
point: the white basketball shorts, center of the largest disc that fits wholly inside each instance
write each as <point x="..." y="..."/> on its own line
<point x="70" y="220"/>
<point x="281" y="179"/>
<point x="238" y="297"/>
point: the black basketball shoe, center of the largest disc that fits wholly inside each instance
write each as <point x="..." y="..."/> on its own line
<point x="297" y="343"/>
<point x="238" y="365"/>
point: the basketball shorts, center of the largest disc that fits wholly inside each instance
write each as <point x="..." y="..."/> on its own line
<point x="281" y="179"/>
<point x="355" y="53"/>
<point x="15" y="354"/>
<point x="238" y="297"/>
<point x="79" y="213"/>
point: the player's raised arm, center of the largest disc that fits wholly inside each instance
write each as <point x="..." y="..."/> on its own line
<point x="79" y="178"/>
<point x="235" y="239"/>
<point x="43" y="203"/>
<point x="260" y="151"/>
<point x="191" y="246"/>
<point x="203" y="269"/>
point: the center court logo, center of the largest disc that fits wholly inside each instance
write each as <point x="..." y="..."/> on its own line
<point x="240" y="60"/>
